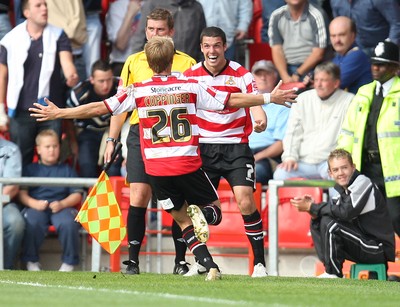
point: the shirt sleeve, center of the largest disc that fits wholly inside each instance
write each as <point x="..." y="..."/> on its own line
<point x="390" y="9"/>
<point x="245" y="14"/>
<point x="3" y="55"/>
<point x="208" y="98"/>
<point x="12" y="165"/>
<point x="123" y="101"/>
<point x="351" y="68"/>
<point x="275" y="37"/>
<point x="63" y="43"/>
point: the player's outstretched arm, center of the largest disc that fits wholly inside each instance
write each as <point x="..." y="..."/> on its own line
<point x="51" y="111"/>
<point x="277" y="96"/>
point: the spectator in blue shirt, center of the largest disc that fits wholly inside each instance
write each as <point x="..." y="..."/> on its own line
<point x="13" y="222"/>
<point x="50" y="205"/>
<point x="267" y="145"/>
<point x="353" y="62"/>
<point x="376" y="20"/>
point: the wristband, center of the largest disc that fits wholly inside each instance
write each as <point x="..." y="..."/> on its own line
<point x="267" y="98"/>
<point x="110" y="139"/>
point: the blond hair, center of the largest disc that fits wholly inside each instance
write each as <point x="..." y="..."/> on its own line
<point x="340" y="153"/>
<point x="44" y="133"/>
<point x="160" y="53"/>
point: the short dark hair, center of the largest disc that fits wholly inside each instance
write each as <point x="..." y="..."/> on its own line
<point x="24" y="5"/>
<point x="213" y="32"/>
<point x="340" y="153"/>
<point x="161" y="14"/>
<point x="100" y="65"/>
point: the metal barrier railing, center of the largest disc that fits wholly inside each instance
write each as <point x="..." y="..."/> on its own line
<point x="273" y="201"/>
<point x="56" y="182"/>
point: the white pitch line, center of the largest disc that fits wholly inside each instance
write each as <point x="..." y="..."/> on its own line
<point x="162" y="295"/>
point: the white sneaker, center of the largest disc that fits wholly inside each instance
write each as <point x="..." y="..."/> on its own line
<point x="196" y="269"/>
<point x="33" y="266"/>
<point x="200" y="225"/>
<point x="213" y="274"/>
<point x="259" y="271"/>
<point x="326" y="275"/>
<point x="65" y="267"/>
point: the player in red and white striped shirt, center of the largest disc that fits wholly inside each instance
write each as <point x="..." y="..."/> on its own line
<point x="169" y="135"/>
<point x="224" y="136"/>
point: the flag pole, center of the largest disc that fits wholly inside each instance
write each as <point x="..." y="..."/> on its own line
<point x="114" y="155"/>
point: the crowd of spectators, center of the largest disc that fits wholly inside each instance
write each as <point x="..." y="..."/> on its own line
<point x="75" y="51"/>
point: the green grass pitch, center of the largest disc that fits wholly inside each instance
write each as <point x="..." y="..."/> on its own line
<point x="49" y="288"/>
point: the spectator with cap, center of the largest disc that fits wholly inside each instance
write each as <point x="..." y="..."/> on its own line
<point x="267" y="145"/>
<point x="371" y="129"/>
<point x="355" y="67"/>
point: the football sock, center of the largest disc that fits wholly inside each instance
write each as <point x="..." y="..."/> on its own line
<point x="179" y="242"/>
<point x="136" y="225"/>
<point x="254" y="232"/>
<point x="199" y="250"/>
<point x="212" y="213"/>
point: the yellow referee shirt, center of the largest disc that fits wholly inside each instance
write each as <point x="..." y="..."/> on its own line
<point x="136" y="69"/>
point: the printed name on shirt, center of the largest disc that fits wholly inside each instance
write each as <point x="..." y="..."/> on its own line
<point x="159" y="100"/>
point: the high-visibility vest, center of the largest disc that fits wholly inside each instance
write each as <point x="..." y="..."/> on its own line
<point x="352" y="133"/>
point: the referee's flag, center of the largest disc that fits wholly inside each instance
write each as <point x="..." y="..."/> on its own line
<point x="101" y="216"/>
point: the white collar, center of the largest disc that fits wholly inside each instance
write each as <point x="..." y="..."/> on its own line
<point x="386" y="87"/>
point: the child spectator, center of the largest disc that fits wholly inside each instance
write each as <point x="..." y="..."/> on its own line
<point x="50" y="205"/>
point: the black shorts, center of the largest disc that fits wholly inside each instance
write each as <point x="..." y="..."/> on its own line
<point x="173" y="191"/>
<point x="134" y="161"/>
<point x="234" y="162"/>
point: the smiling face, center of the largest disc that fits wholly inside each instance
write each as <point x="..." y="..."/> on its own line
<point x="213" y="50"/>
<point x="341" y="170"/>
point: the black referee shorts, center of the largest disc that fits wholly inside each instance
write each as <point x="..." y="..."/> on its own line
<point x="134" y="161"/>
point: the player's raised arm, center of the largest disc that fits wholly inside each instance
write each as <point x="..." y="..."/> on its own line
<point x="51" y="111"/>
<point x="277" y="96"/>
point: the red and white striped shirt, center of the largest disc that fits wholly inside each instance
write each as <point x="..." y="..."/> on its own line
<point x="169" y="132"/>
<point x="231" y="125"/>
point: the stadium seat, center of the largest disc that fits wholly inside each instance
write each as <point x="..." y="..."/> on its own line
<point x="255" y="26"/>
<point x="357" y="270"/>
<point x="230" y="234"/>
<point x="257" y="50"/>
<point x="293" y="226"/>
